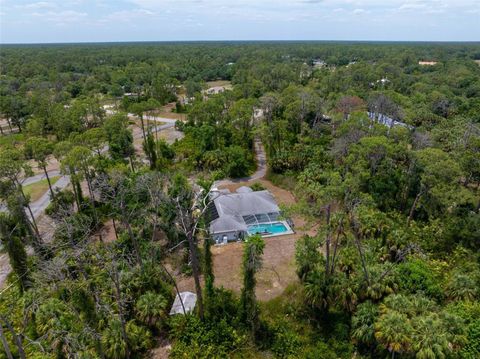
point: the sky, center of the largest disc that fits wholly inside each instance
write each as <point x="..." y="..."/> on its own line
<point x="27" y="21"/>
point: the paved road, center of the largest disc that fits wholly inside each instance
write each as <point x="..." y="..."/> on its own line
<point x="39" y="205"/>
<point x="40" y="176"/>
<point x="261" y="171"/>
<point x="42" y="203"/>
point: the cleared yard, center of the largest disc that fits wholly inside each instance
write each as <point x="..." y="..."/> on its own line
<point x="278" y="260"/>
<point x="38" y="189"/>
<point x="218" y="83"/>
<point x="166" y="112"/>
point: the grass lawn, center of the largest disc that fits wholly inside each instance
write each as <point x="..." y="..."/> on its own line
<point x="38" y="189"/>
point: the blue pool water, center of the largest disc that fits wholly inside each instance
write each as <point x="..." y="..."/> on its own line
<point x="268" y="228"/>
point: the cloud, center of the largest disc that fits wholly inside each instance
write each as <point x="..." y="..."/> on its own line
<point x="38" y="5"/>
<point x="312" y="1"/>
<point x="61" y="17"/>
<point x="360" y="11"/>
<point x="127" y="15"/>
<point x="238" y="19"/>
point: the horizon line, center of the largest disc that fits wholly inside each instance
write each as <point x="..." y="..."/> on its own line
<point x="239" y="41"/>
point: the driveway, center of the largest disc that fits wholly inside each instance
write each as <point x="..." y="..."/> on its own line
<point x="261" y="159"/>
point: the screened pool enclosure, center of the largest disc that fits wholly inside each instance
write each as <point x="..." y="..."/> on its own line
<point x="234" y="216"/>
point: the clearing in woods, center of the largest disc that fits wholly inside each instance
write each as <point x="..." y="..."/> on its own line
<point x="278" y="269"/>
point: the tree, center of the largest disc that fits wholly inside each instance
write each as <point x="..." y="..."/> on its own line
<point x="150" y="308"/>
<point x="11" y="233"/>
<point x="348" y="104"/>
<point x="79" y="160"/>
<point x="149" y="148"/>
<point x="381" y="104"/>
<point x="39" y="149"/>
<point x="61" y="150"/>
<point x="95" y="139"/>
<point x="363" y="330"/>
<point x="189" y="212"/>
<point x="439" y="179"/>
<point x="415" y="325"/>
<point x="119" y="137"/>
<point x="252" y="262"/>
<point x="12" y="167"/>
<point x="394" y="331"/>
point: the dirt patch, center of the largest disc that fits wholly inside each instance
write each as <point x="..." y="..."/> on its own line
<point x="5" y="269"/>
<point x="170" y="135"/>
<point x="107" y="232"/>
<point x="52" y="165"/>
<point x="277" y="273"/>
<point x="167" y="112"/>
<point x="219" y="83"/>
<point x="161" y="351"/>
<point x="282" y="196"/>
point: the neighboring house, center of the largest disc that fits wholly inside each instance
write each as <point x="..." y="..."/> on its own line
<point x="235" y="216"/>
<point x="427" y="63"/>
<point x="215" y="90"/>
<point x="387" y="121"/>
<point x="318" y="64"/>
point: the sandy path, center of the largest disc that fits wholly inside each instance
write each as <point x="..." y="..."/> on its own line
<point x="261" y="159"/>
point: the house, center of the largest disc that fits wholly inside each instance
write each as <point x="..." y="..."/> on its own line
<point x="235" y="216"/>
<point x="387" y="121"/>
<point x="215" y="90"/>
<point x="318" y="63"/>
<point x="427" y="63"/>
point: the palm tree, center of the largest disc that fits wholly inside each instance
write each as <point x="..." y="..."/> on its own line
<point x="363" y="330"/>
<point x="150" y="308"/>
<point x="462" y="287"/>
<point x="394" y="331"/>
<point x="252" y="262"/>
<point x="430" y="339"/>
<point x="112" y="341"/>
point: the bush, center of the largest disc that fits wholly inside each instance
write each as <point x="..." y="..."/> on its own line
<point x="223" y="305"/>
<point x="211" y="339"/>
<point x="285" y="341"/>
<point x="257" y="186"/>
<point x="416" y="276"/>
<point x="320" y="351"/>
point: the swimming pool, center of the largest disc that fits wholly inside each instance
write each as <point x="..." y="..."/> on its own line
<point x="269" y="229"/>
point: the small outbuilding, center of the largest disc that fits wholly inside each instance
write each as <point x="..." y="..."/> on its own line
<point x="189" y="300"/>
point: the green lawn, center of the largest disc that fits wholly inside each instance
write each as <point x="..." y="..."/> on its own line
<point x="38" y="189"/>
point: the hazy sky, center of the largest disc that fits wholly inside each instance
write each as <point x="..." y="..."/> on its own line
<point x="27" y="21"/>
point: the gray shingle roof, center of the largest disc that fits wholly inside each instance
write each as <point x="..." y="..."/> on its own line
<point x="243" y="204"/>
<point x="232" y="207"/>
<point x="244" y="189"/>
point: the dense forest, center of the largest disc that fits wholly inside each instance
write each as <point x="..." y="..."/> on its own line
<point x="380" y="151"/>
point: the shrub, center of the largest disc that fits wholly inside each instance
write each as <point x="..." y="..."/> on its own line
<point x="211" y="339"/>
<point x="257" y="186"/>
